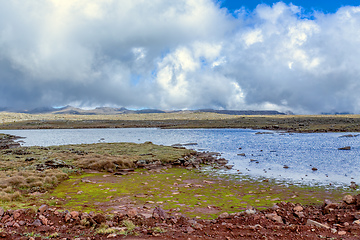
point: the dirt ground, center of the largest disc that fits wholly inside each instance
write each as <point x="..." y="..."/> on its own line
<point x="282" y="221"/>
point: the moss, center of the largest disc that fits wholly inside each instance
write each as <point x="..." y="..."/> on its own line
<point x="189" y="191"/>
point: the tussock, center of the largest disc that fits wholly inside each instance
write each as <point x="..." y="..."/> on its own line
<point x="106" y="162"/>
<point x="13" y="183"/>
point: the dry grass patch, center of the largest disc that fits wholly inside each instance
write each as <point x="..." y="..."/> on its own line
<point x="14" y="183"/>
<point x="105" y="162"/>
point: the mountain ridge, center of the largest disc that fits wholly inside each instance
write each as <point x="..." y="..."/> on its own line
<point x="122" y="110"/>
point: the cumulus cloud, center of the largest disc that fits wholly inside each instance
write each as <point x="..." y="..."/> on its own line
<point x="178" y="55"/>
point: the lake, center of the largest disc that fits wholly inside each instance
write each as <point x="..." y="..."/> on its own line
<point x="265" y="154"/>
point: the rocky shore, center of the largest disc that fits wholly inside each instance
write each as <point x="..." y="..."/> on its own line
<point x="8" y="141"/>
<point x="282" y="221"/>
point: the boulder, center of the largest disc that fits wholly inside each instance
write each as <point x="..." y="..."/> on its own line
<point x="348" y="199"/>
<point x="274" y="217"/>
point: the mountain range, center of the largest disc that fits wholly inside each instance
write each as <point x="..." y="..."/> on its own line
<point x="115" y="111"/>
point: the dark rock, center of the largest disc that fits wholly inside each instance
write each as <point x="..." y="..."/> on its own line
<point x="345" y="148"/>
<point x="99" y="218"/>
<point x="159" y="212"/>
<point x="42" y="208"/>
<point x="1" y="212"/>
<point x="37" y="223"/>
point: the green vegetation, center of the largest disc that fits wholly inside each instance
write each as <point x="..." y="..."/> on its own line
<point x="80" y="177"/>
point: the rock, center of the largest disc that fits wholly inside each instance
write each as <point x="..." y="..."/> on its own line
<point x="298" y="208"/>
<point x="348" y="199"/>
<point x="43" y="220"/>
<point x="146" y="215"/>
<point x="353" y="185"/>
<point x="274" y="217"/>
<point x="224" y="215"/>
<point x="286" y="166"/>
<point x="242" y="154"/>
<point x="74" y="215"/>
<point x="190" y="230"/>
<point x="132" y="212"/>
<point x="37" y="223"/>
<point x="99" y="218"/>
<point x="17" y="214"/>
<point x="1" y="212"/>
<point x="299" y="214"/>
<point x="317" y="224"/>
<point x="341" y="232"/>
<point x="345" y="148"/>
<point x="229" y="166"/>
<point x="356" y="222"/>
<point x="159" y="212"/>
<point x="314" y="169"/>
<point x="250" y="211"/>
<point x="42" y="208"/>
<point x="67" y="217"/>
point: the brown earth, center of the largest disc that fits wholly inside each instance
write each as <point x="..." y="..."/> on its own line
<point x="290" y="123"/>
<point x="282" y="221"/>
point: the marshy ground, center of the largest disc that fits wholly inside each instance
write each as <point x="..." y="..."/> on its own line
<point x="89" y="178"/>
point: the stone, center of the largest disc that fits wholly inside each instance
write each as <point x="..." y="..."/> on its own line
<point x="1" y="212"/>
<point x="357" y="215"/>
<point x="159" y="212"/>
<point x="345" y="148"/>
<point x="190" y="230"/>
<point x="67" y="217"/>
<point x="298" y="208"/>
<point x="42" y="208"/>
<point x="132" y="212"/>
<point x="37" y="223"/>
<point x="74" y="215"/>
<point x="146" y="215"/>
<point x="317" y="224"/>
<point x="99" y="218"/>
<point x="43" y="220"/>
<point x="17" y="225"/>
<point x="224" y="215"/>
<point x="348" y="199"/>
<point x="17" y="214"/>
<point x="250" y="211"/>
<point x="299" y="214"/>
<point x="274" y="217"/>
<point x="341" y="232"/>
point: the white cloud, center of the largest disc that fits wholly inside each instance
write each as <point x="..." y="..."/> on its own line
<point x="178" y="54"/>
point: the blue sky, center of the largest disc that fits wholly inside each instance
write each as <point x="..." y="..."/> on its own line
<point x="329" y="6"/>
<point x="183" y="54"/>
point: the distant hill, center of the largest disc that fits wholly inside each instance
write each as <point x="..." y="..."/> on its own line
<point x="116" y="111"/>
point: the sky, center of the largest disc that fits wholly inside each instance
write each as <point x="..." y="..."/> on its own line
<point x="299" y="56"/>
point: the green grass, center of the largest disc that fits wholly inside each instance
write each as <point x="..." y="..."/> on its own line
<point x="165" y="189"/>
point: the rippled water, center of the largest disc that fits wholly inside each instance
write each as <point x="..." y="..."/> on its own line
<point x="269" y="152"/>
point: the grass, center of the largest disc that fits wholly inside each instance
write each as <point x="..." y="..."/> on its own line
<point x="294" y="123"/>
<point x="188" y="192"/>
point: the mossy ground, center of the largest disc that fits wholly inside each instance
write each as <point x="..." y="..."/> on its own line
<point x="190" y="192"/>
